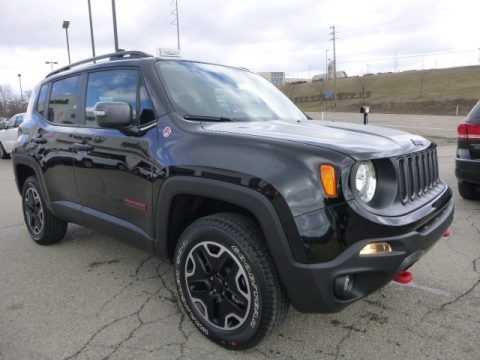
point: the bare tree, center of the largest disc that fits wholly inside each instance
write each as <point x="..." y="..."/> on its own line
<point x="5" y="98"/>
<point x="289" y="90"/>
<point x="318" y="86"/>
<point x="362" y="81"/>
<point x="422" y="76"/>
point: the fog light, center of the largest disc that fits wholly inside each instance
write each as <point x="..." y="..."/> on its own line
<point x="376" y="248"/>
<point x="343" y="285"/>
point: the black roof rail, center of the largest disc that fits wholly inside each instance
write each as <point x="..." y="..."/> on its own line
<point x="119" y="55"/>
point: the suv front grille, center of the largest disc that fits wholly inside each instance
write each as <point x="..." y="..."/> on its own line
<point x="418" y="173"/>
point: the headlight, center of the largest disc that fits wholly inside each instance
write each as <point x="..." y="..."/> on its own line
<point x="366" y="181"/>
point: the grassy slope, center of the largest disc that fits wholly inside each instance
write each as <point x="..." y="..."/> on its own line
<point x="443" y="90"/>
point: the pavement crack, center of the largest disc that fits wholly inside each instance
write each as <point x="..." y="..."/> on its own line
<point x="139" y="267"/>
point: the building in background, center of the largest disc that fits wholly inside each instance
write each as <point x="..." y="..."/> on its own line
<point x="276" y="78"/>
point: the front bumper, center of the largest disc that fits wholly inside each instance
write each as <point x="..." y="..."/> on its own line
<point x="311" y="286"/>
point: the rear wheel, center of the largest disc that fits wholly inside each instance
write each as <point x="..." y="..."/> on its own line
<point x="227" y="282"/>
<point x="468" y="191"/>
<point x="44" y="227"/>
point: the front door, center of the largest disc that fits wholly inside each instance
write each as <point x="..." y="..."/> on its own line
<point x="113" y="169"/>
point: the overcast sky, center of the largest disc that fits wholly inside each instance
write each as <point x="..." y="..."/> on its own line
<point x="267" y="35"/>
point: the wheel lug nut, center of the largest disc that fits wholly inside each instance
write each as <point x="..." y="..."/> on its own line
<point x="225" y="283"/>
<point x="211" y="277"/>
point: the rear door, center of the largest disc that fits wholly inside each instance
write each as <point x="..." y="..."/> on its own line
<point x="58" y="113"/>
<point x="114" y="168"/>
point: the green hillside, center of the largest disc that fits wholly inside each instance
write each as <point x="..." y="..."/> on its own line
<point x="436" y="92"/>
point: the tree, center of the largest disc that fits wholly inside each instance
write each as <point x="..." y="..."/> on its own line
<point x="362" y="81"/>
<point x="289" y="90"/>
<point x="422" y="76"/>
<point x="5" y="98"/>
<point x="318" y="86"/>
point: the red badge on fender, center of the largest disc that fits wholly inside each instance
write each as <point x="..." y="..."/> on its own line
<point x="167" y="132"/>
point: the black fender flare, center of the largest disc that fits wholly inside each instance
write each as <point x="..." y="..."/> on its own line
<point x="20" y="159"/>
<point x="247" y="198"/>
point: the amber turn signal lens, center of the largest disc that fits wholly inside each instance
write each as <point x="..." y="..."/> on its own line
<point x="329" y="180"/>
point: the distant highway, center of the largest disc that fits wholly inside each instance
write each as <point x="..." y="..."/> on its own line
<point x="434" y="126"/>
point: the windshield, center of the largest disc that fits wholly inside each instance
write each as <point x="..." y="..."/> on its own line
<point x="223" y="93"/>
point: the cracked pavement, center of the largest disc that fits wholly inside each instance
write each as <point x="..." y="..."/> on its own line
<point x="92" y="297"/>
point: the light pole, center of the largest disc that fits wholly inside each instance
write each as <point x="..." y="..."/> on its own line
<point x="51" y="63"/>
<point x="115" y="35"/>
<point x="65" y="26"/>
<point x="91" y="29"/>
<point x="21" y="91"/>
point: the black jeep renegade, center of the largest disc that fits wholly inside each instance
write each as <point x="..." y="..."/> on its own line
<point x="215" y="169"/>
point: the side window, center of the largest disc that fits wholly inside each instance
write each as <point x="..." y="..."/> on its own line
<point x="62" y="105"/>
<point x="111" y="86"/>
<point x="146" y="107"/>
<point x="42" y="96"/>
<point x="19" y="120"/>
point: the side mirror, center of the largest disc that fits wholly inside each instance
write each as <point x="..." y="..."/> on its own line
<point x="113" y="114"/>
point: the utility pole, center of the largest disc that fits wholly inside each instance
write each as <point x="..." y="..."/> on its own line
<point x="326" y="65"/>
<point x="115" y="35"/>
<point x="91" y="28"/>
<point x="478" y="56"/>
<point x="176" y="22"/>
<point x="334" y="65"/>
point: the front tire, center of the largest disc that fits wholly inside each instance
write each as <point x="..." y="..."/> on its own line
<point x="44" y="227"/>
<point x="227" y="282"/>
<point x="468" y="191"/>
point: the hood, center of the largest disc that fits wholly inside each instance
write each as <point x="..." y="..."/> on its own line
<point x="361" y="142"/>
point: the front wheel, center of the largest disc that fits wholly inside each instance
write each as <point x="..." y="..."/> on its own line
<point x="227" y="282"/>
<point x="44" y="227"/>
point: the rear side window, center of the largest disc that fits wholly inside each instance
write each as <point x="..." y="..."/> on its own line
<point x="111" y="86"/>
<point x="19" y="120"/>
<point x="42" y="96"/>
<point x="474" y="115"/>
<point x="62" y="106"/>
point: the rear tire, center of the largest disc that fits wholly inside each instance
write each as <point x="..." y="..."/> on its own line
<point x="227" y="282"/>
<point x="3" y="153"/>
<point x="44" y="227"/>
<point x="468" y="191"/>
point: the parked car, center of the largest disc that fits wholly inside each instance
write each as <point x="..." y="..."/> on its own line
<point x="8" y="135"/>
<point x="467" y="164"/>
<point x="3" y="123"/>
<point x="257" y="206"/>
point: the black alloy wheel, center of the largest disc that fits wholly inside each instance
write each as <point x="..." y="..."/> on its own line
<point x="227" y="282"/>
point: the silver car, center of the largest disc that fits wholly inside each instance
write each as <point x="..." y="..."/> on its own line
<point x="8" y="135"/>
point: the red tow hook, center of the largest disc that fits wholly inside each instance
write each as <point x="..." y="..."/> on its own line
<point x="403" y="277"/>
<point x="447" y="233"/>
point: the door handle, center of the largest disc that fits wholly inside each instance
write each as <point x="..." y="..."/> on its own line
<point x="39" y="140"/>
<point x="83" y="147"/>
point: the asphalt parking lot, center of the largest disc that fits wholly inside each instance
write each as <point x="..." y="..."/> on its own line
<point x="92" y="297"/>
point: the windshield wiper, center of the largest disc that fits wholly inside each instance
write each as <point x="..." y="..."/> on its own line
<point x="207" y="118"/>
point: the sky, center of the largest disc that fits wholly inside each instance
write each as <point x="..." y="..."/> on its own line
<point x="269" y="35"/>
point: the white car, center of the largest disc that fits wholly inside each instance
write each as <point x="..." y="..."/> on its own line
<point x="8" y="136"/>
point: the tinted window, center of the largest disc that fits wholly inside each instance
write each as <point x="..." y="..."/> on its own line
<point x="146" y="107"/>
<point x="62" y="106"/>
<point x="111" y="86"/>
<point x="42" y="96"/>
<point x="474" y="115"/>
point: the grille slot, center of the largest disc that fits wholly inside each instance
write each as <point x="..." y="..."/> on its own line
<point x="417" y="174"/>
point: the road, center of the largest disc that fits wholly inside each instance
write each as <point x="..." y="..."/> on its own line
<point x="432" y="126"/>
<point x="91" y="297"/>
